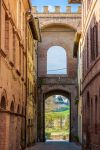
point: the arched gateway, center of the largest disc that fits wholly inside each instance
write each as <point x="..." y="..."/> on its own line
<point x="57" y="29"/>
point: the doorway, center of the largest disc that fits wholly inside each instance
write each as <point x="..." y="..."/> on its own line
<point x="57" y="118"/>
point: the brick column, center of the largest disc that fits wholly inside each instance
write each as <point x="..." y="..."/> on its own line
<point x="4" y="131"/>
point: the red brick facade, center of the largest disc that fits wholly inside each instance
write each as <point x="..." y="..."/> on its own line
<point x="91" y="83"/>
<point x="57" y="29"/>
<point x="12" y="75"/>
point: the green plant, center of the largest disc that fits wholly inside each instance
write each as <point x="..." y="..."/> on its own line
<point x="47" y="135"/>
<point x="76" y="100"/>
<point x="76" y="138"/>
<point x="42" y="82"/>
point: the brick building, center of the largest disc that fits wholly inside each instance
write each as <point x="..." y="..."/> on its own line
<point x="12" y="73"/>
<point x="91" y="74"/>
<point x="77" y="54"/>
<point x="90" y="53"/>
<point x="57" y="29"/>
<point x="33" y="36"/>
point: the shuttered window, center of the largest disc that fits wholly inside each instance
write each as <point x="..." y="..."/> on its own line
<point x="14" y="49"/>
<point x="87" y="51"/>
<point x="6" y="33"/>
<point x="94" y="41"/>
<point x="96" y="37"/>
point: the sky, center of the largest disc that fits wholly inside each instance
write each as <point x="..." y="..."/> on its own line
<point x="56" y="60"/>
<point x="51" y="3"/>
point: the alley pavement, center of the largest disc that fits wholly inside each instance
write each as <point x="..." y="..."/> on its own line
<point x="55" y="146"/>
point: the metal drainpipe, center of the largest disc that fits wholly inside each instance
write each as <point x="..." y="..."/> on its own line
<point x="26" y="84"/>
<point x="37" y="91"/>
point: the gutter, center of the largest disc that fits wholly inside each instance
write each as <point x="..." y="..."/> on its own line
<point x="34" y="25"/>
<point x="76" y="43"/>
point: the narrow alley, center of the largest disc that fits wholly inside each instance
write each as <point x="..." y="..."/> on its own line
<point x="55" y="146"/>
<point x="49" y="74"/>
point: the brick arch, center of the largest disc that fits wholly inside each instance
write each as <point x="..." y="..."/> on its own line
<point x="12" y="106"/>
<point x="18" y="109"/>
<point x="57" y="30"/>
<point x="51" y="22"/>
<point x="60" y="44"/>
<point x="11" y="125"/>
<point x="56" y="44"/>
<point x="64" y="93"/>
<point x="3" y="120"/>
<point x="3" y="101"/>
<point x="57" y="92"/>
<point x="22" y="110"/>
<point x="64" y="89"/>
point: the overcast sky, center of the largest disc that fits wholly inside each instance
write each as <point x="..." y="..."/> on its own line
<point x="51" y="3"/>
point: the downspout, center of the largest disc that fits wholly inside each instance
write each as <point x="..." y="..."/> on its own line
<point x="37" y="93"/>
<point x="26" y="84"/>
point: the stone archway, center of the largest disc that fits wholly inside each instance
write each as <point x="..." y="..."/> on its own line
<point x="57" y="29"/>
<point x="12" y="126"/>
<point x="3" y="121"/>
<point x="61" y="88"/>
<point x="63" y="36"/>
<point x="62" y="93"/>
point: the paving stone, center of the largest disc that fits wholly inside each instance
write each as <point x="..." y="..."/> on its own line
<point x="55" y="146"/>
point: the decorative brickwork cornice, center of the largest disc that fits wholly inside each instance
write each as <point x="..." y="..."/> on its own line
<point x="57" y="10"/>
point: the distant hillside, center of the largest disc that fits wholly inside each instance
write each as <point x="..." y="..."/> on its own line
<point x="56" y="104"/>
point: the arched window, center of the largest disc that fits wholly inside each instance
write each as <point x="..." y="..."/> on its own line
<point x="88" y="108"/>
<point x="3" y="102"/>
<point x="12" y="106"/>
<point x="56" y="60"/>
<point x="18" y="109"/>
<point x="19" y="14"/>
<point x="22" y="111"/>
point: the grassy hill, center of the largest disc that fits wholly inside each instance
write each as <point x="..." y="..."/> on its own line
<point x="56" y="119"/>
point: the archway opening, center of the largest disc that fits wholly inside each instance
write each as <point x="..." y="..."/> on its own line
<point x="57" y="118"/>
<point x="3" y="102"/>
<point x="56" y="60"/>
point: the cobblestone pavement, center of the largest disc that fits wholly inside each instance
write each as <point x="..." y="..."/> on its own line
<point x="55" y="146"/>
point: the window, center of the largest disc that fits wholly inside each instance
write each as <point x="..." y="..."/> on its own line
<point x="56" y="60"/>
<point x="92" y="46"/>
<point x="19" y="14"/>
<point x="87" y="51"/>
<point x="88" y="108"/>
<point x="20" y="49"/>
<point x="6" y="33"/>
<point x="83" y="63"/>
<point x="18" y="109"/>
<point x="91" y="112"/>
<point x="23" y="23"/>
<point x="96" y="113"/>
<point x="96" y="38"/>
<point x="12" y="106"/>
<point x="3" y="103"/>
<point x="94" y="41"/>
<point x="14" y="49"/>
